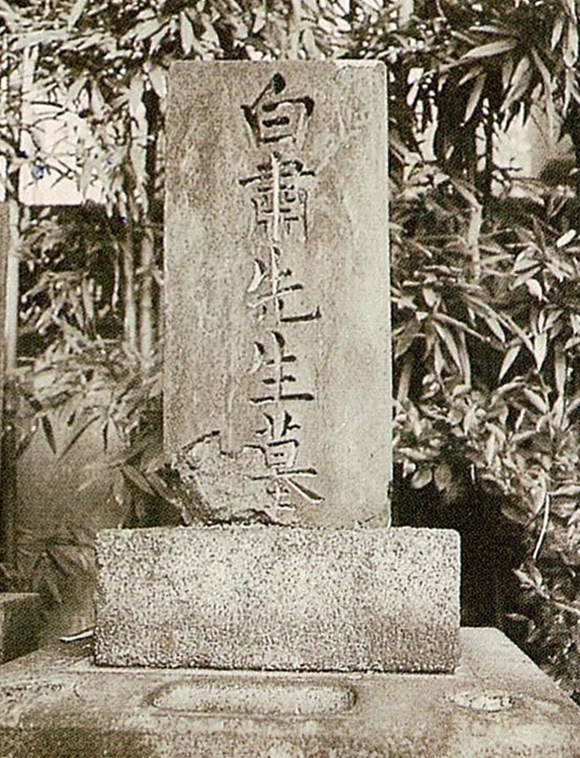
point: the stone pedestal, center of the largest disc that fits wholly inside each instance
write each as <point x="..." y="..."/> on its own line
<point x="280" y="598"/>
<point x="19" y="624"/>
<point x="56" y="704"/>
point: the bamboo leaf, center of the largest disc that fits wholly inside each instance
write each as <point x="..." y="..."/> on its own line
<point x="404" y="339"/>
<point x="450" y="343"/>
<point x="438" y="359"/>
<point x="136" y="89"/>
<point x="76" y="12"/>
<point x="566" y="238"/>
<point x="569" y="490"/>
<point x="557" y="31"/>
<point x="138" y="156"/>
<point x="75" y="89"/>
<point x="571" y="44"/>
<point x="489" y="29"/>
<point x="534" y="288"/>
<point x="404" y="380"/>
<point x="157" y="38"/>
<point x="538" y="402"/>
<point x="135" y="476"/>
<point x="97" y="105"/>
<point x="8" y="13"/>
<point x="158" y="81"/>
<point x="161" y="488"/>
<point x="542" y="68"/>
<point x="309" y="42"/>
<point x="519" y="81"/>
<point x="519" y="331"/>
<point x="558" y="410"/>
<point x="490" y="449"/>
<point x="421" y="478"/>
<point x="474" y="97"/>
<point x="523" y="436"/>
<point x="509" y="358"/>
<point x="464" y="357"/>
<point x="525" y="264"/>
<point x="146" y="29"/>
<point x="48" y="433"/>
<point x="443" y="477"/>
<point x="87" y="298"/>
<point x="560" y="371"/>
<point x="80" y="431"/>
<point x="430" y="296"/>
<point x="506" y="72"/>
<point x="490" y="49"/>
<point x="464" y="191"/>
<point x="540" y="349"/>
<point x="494" y="326"/>
<point x="39" y="38"/>
<point x="471" y="74"/>
<point x="547" y="80"/>
<point x="186" y="33"/>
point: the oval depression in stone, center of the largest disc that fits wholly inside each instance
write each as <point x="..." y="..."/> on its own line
<point x="255" y="698"/>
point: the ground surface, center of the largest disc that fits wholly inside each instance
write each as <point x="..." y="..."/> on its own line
<point x="56" y="704"/>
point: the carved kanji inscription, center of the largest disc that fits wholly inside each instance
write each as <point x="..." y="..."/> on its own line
<point x="279" y="196"/>
<point x="277" y="377"/>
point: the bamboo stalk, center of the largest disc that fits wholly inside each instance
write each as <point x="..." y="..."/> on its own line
<point x="12" y="290"/>
<point x="129" y="300"/>
<point x="473" y="234"/>
<point x="146" y="298"/>
<point x="294" y="30"/>
<point x="406" y="10"/>
<point x="146" y="292"/>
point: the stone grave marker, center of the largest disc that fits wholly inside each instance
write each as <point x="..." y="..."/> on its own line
<point x="277" y="393"/>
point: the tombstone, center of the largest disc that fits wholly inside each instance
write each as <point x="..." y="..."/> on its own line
<point x="275" y="635"/>
<point x="277" y="392"/>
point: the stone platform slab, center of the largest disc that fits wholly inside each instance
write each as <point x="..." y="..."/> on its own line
<point x="56" y="704"/>
<point x="19" y="624"/>
<point x="279" y="598"/>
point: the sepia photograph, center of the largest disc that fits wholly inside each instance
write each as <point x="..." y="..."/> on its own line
<point x="289" y="379"/>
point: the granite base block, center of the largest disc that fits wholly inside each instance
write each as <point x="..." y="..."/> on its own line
<point x="275" y="598"/>
<point x="56" y="704"/>
<point x="20" y="622"/>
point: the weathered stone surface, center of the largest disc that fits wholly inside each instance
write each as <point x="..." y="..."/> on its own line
<point x="282" y="598"/>
<point x="277" y="286"/>
<point x="19" y="624"/>
<point x="497" y="704"/>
